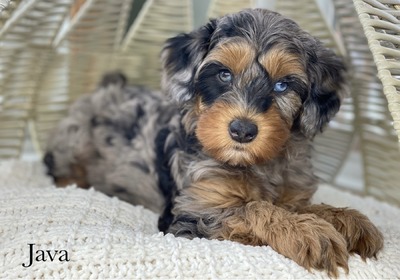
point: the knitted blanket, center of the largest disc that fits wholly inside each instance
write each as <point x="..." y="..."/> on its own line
<point x="78" y="234"/>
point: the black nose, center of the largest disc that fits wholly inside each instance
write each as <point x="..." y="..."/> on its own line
<point x="242" y="131"/>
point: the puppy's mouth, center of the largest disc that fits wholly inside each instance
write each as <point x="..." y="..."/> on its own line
<point x="238" y="156"/>
<point x="239" y="148"/>
<point x="244" y="154"/>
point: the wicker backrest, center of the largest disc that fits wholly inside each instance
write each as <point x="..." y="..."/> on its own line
<point x="219" y="8"/>
<point x="6" y="9"/>
<point x="157" y="21"/>
<point x="57" y="50"/>
<point x="25" y="53"/>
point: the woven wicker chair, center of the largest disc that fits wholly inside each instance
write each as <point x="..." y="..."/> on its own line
<point x="51" y="51"/>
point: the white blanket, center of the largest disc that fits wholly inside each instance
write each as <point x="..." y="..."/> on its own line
<point x="104" y="237"/>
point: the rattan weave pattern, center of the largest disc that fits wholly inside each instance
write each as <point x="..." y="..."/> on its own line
<point x="381" y="24"/>
<point x="4" y="4"/>
<point x="82" y="50"/>
<point x="373" y="126"/>
<point x="6" y="9"/>
<point x="157" y="21"/>
<point x="379" y="117"/>
<point x="219" y="8"/>
<point x="25" y="53"/>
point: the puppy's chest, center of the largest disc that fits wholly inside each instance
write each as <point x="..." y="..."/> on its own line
<point x="263" y="183"/>
<point x="220" y="187"/>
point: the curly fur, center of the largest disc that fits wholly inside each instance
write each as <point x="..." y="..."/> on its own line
<point x="185" y="160"/>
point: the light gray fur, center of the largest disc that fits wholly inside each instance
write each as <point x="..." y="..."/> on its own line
<point x="115" y="165"/>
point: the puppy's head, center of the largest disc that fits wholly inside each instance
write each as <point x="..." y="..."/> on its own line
<point x="249" y="80"/>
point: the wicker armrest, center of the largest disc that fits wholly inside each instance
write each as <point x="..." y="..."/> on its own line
<point x="381" y="23"/>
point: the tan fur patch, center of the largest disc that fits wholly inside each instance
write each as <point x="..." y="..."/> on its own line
<point x="212" y="132"/>
<point x="279" y="63"/>
<point x="190" y="118"/>
<point x="292" y="198"/>
<point x="235" y="55"/>
<point x="220" y="192"/>
<point x="361" y="235"/>
<point x="199" y="106"/>
<point x="306" y="239"/>
<point x="246" y="216"/>
<point x="78" y="177"/>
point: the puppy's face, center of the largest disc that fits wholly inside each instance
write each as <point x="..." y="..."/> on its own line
<point x="248" y="81"/>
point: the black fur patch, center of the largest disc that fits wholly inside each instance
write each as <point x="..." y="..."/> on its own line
<point x="118" y="189"/>
<point x="115" y="78"/>
<point x="188" y="226"/>
<point x="166" y="218"/>
<point x="258" y="93"/>
<point x="166" y="182"/>
<point x="131" y="132"/>
<point x="184" y="48"/>
<point x="142" y="166"/>
<point x="50" y="163"/>
<point x="208" y="85"/>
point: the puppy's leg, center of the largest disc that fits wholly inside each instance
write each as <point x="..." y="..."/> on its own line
<point x="361" y="235"/>
<point x="306" y="239"/>
<point x="221" y="211"/>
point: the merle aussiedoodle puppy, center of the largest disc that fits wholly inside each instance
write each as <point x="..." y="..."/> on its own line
<point x="227" y="154"/>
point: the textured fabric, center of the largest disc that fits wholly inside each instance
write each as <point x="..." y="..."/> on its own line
<point x="108" y="238"/>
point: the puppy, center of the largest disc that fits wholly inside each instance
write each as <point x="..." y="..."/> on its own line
<point x="229" y="157"/>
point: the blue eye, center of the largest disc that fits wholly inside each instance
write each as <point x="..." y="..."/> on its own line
<point x="225" y="76"/>
<point x="280" y="87"/>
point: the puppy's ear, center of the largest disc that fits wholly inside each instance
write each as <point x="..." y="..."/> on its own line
<point x="180" y="59"/>
<point x="328" y="87"/>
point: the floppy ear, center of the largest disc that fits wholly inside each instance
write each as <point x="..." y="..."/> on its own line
<point x="328" y="87"/>
<point x="180" y="58"/>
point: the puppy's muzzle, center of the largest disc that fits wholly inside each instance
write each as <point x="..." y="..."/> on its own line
<point x="242" y="130"/>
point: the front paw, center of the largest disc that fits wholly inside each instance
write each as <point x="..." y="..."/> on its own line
<point x="313" y="243"/>
<point x="361" y="235"/>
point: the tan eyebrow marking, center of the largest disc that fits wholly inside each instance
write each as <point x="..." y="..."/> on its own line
<point x="279" y="63"/>
<point x="235" y="55"/>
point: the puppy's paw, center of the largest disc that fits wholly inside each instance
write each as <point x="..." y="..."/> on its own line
<point x="361" y="235"/>
<point x="314" y="243"/>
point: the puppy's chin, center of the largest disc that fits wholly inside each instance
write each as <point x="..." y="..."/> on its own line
<point x="243" y="157"/>
<point x="212" y="132"/>
<point x="237" y="157"/>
